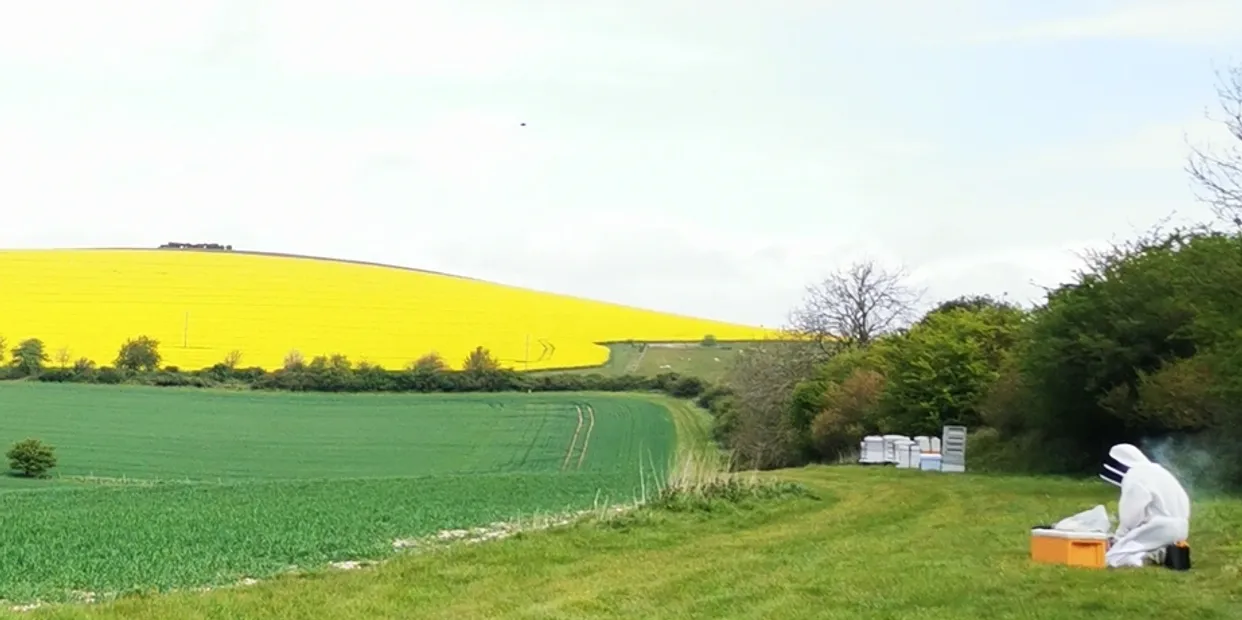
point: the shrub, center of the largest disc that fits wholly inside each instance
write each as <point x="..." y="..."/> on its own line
<point x="849" y="407"/>
<point x="58" y="375"/>
<point x="431" y="362"/>
<point x="109" y="376"/>
<point x="712" y="396"/>
<point x="687" y="387"/>
<point x="294" y="361"/>
<point x="709" y="341"/>
<point x="31" y="458"/>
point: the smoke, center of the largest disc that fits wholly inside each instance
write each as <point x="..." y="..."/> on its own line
<point x="1203" y="466"/>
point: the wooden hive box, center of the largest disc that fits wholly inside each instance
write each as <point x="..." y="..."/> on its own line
<point x="1084" y="549"/>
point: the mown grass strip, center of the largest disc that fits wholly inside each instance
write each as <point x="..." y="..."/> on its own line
<point x="872" y="544"/>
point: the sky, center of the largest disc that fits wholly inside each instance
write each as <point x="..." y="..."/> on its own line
<point x="709" y="158"/>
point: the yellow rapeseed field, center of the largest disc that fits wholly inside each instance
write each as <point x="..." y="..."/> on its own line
<point x="202" y="305"/>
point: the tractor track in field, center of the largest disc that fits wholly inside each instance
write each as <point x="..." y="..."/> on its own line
<point x="543" y="421"/>
<point x="632" y="367"/>
<point x="586" y="439"/>
<point x="573" y="441"/>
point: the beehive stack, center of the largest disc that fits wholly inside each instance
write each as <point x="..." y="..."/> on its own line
<point x="953" y="449"/>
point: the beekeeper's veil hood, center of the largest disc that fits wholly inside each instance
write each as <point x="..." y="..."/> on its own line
<point x="1120" y="459"/>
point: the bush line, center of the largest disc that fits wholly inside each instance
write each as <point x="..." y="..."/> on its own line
<point x="137" y="363"/>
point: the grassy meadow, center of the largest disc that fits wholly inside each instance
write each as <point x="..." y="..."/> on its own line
<point x="868" y="543"/>
<point x="163" y="488"/>
<point x="203" y="305"/>
<point x="710" y="363"/>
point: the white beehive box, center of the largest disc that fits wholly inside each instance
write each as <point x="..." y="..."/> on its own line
<point x="890" y="443"/>
<point x="953" y="449"/>
<point x="907" y="452"/>
<point x="871" y="450"/>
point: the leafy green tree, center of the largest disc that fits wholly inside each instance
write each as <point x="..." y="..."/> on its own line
<point x="31" y="458"/>
<point x="940" y="371"/>
<point x="429" y="363"/>
<point x="970" y="303"/>
<point x="1119" y="331"/>
<point x="29" y="357"/>
<point x="141" y="353"/>
<point x="480" y="360"/>
<point x="1180" y="396"/>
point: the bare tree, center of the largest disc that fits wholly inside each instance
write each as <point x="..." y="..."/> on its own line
<point x="1219" y="173"/>
<point x="63" y="357"/>
<point x="762" y="380"/>
<point x="854" y="305"/>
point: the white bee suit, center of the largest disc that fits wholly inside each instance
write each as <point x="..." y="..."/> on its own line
<point x="1153" y="511"/>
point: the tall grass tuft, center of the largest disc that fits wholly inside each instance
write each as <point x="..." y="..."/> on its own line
<point x="706" y="480"/>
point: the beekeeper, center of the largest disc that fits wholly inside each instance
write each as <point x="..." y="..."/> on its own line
<point x="1153" y="511"/>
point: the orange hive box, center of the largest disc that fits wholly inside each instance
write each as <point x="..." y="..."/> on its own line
<point x="1085" y="549"/>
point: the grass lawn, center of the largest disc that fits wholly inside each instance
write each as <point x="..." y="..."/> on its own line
<point x="872" y="544"/>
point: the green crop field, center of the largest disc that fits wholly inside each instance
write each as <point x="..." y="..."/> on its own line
<point x="165" y="488"/>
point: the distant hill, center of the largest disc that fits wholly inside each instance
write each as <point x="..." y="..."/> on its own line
<point x="203" y="304"/>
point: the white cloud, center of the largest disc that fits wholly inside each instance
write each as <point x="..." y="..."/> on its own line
<point x="1158" y="147"/>
<point x="1195" y="22"/>
<point x="389" y="39"/>
<point x="128" y="36"/>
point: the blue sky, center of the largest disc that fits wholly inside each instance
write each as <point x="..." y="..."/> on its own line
<point x="708" y="158"/>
